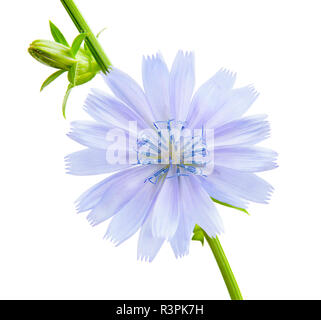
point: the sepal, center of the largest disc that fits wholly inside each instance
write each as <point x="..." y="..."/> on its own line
<point x="51" y="78"/>
<point x="230" y="206"/>
<point x="198" y="234"/>
<point x="77" y="43"/>
<point x="64" y="103"/>
<point x="57" y="35"/>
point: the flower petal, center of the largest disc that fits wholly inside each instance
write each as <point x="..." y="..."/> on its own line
<point x="209" y="97"/>
<point x="165" y="211"/>
<point x="249" y="131"/>
<point x="92" y="196"/>
<point x="180" y="242"/>
<point x="156" y="84"/>
<point x="245" y="158"/>
<point x="89" y="133"/>
<point x="196" y="207"/>
<point x="133" y="214"/>
<point x="237" y="103"/>
<point x="220" y="192"/>
<point x="148" y="245"/>
<point x="182" y="81"/>
<point x="119" y="189"/>
<point x="90" y="162"/>
<point x="244" y="185"/>
<point x="197" y="202"/>
<point x="127" y="90"/>
<point x="110" y="111"/>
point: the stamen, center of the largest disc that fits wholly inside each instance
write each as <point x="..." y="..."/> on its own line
<point x="157" y="175"/>
<point x="171" y="145"/>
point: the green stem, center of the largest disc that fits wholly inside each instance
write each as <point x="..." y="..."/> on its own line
<point x="91" y="41"/>
<point x="225" y="268"/>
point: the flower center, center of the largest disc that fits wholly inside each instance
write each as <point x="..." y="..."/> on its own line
<point x="180" y="150"/>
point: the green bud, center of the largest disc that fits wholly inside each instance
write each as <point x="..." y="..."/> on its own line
<point x="52" y="54"/>
<point x="78" y="61"/>
<point x="82" y="67"/>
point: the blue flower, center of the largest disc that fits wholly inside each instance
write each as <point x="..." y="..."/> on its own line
<point x="166" y="200"/>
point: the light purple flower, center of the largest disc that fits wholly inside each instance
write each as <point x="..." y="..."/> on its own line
<point x="165" y="202"/>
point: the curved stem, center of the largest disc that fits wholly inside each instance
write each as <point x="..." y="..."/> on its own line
<point x="91" y="41"/>
<point x="224" y="266"/>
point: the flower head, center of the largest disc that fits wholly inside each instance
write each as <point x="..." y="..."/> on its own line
<point x="189" y="149"/>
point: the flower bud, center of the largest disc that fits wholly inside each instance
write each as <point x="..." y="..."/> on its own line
<point x="78" y="61"/>
<point x="52" y="54"/>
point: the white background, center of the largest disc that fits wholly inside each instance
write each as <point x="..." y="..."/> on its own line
<point x="47" y="251"/>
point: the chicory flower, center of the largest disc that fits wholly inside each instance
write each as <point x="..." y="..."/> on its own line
<point x="166" y="199"/>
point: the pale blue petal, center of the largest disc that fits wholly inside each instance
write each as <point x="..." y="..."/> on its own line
<point x="220" y="192"/>
<point x="165" y="211"/>
<point x="180" y="242"/>
<point x="111" y="111"/>
<point x="244" y="131"/>
<point x="120" y="188"/>
<point x="182" y="81"/>
<point x="209" y="97"/>
<point x="244" y="185"/>
<point x="237" y="103"/>
<point x="148" y="245"/>
<point x="245" y="158"/>
<point x="89" y="133"/>
<point x="196" y="207"/>
<point x="127" y="90"/>
<point x="132" y="216"/>
<point x="197" y="203"/>
<point x="90" y="162"/>
<point x="156" y="84"/>
<point x="90" y="198"/>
